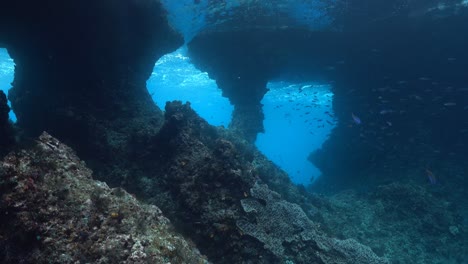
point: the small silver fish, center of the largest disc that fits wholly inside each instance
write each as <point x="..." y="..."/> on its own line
<point x="450" y="104"/>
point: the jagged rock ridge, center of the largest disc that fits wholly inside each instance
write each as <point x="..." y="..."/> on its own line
<point x="52" y="211"/>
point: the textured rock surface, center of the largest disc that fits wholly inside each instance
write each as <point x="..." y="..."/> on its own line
<point x="52" y="211"/>
<point x="205" y="183"/>
<point x="282" y="226"/>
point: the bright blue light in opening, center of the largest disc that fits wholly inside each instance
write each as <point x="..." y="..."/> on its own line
<point x="175" y="78"/>
<point x="298" y="119"/>
<point x="7" y="71"/>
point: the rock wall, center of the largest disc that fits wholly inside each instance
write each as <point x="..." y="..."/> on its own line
<point x="81" y="70"/>
<point x="6" y="129"/>
<point x="241" y="63"/>
<point x="408" y="87"/>
<point x="403" y="77"/>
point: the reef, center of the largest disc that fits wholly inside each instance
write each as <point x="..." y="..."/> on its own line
<point x="80" y="75"/>
<point x="214" y="189"/>
<point x="207" y="184"/>
<point x="53" y="211"/>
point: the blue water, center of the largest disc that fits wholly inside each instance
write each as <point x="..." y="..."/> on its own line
<point x="7" y="70"/>
<point x="298" y="117"/>
<point x="175" y="78"/>
<point x="290" y="134"/>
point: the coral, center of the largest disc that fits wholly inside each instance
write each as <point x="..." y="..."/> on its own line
<point x="210" y="184"/>
<point x="284" y="229"/>
<point x="276" y="221"/>
<point x="52" y="211"/>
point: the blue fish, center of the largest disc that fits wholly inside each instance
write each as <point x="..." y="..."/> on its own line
<point x="356" y="119"/>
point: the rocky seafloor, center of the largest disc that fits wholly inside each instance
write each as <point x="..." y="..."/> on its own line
<point x="226" y="204"/>
<point x="53" y="211"/>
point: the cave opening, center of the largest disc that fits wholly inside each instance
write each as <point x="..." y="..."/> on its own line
<point x="298" y="120"/>
<point x="7" y="72"/>
<point x="175" y="78"/>
<point x="298" y="115"/>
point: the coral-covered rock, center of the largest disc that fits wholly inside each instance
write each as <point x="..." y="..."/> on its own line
<point x="213" y="189"/>
<point x="52" y="211"/>
<point x="282" y="226"/>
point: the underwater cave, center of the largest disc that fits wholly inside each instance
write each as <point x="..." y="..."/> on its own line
<point x="240" y="131"/>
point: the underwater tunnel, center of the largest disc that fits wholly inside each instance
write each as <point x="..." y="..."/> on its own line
<point x="387" y="81"/>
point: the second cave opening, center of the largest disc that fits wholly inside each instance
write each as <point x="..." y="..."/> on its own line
<point x="298" y="120"/>
<point x="7" y="70"/>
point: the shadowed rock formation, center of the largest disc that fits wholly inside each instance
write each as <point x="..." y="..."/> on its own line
<point x="403" y="76"/>
<point x="81" y="71"/>
<point x="6" y="130"/>
<point x="406" y="84"/>
<point x="241" y="63"/>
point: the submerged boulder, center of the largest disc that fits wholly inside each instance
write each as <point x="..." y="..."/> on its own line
<point x="52" y="211"/>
